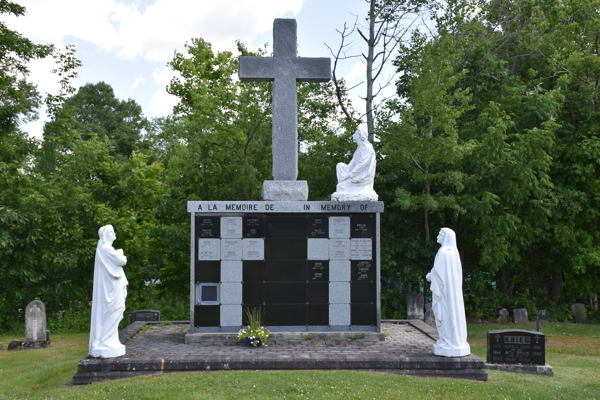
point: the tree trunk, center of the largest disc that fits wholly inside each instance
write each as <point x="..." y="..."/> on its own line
<point x="370" y="55"/>
<point x="557" y="283"/>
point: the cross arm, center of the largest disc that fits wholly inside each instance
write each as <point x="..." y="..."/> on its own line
<point x="303" y="69"/>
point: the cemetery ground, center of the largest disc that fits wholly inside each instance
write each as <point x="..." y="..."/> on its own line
<point x="573" y="351"/>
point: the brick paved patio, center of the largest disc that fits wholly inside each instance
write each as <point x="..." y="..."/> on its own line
<point x="156" y="348"/>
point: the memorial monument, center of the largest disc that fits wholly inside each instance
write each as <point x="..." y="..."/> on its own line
<point x="313" y="266"/>
<point x="108" y="298"/>
<point x="447" y="300"/>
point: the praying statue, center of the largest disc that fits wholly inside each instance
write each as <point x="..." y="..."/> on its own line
<point x="447" y="300"/>
<point x="355" y="180"/>
<point x="108" y="298"/>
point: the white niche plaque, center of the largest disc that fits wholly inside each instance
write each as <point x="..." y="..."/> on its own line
<point x="361" y="249"/>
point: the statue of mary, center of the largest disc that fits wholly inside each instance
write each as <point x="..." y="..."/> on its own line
<point x="108" y="297"/>
<point x="447" y="300"/>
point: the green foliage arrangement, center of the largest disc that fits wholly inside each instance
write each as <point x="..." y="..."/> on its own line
<point x="255" y="334"/>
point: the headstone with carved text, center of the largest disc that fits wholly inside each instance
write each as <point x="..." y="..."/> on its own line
<point x="516" y="346"/>
<point x="36" y="334"/>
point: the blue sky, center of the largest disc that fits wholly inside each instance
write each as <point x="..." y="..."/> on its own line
<point x="128" y="43"/>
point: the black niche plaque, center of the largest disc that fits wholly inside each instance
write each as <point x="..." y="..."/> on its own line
<point x="362" y="270"/>
<point x="318" y="227"/>
<point x="286" y="249"/>
<point x="278" y="226"/>
<point x="285" y="271"/>
<point x="208" y="227"/>
<point x="208" y="271"/>
<point x="362" y="226"/>
<point x="253" y="226"/>
<point x="207" y="315"/>
<point x="318" y="271"/>
<point x="516" y="346"/>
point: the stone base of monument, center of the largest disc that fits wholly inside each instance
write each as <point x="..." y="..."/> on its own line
<point x="405" y="350"/>
<point x="361" y="196"/>
<point x="284" y="191"/>
<point x="546" y="370"/>
<point x="275" y="336"/>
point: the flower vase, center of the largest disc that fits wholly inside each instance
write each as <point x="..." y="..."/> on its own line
<point x="249" y="342"/>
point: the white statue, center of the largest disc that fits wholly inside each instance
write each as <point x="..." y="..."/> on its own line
<point x="108" y="299"/>
<point x="448" y="304"/>
<point x="355" y="180"/>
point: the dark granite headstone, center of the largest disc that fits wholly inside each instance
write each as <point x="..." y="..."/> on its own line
<point x="415" y="306"/>
<point x="520" y="316"/>
<point x="516" y="346"/>
<point x="577" y="311"/>
<point x="542" y="315"/>
<point x="503" y="315"/>
<point x="145" y="315"/>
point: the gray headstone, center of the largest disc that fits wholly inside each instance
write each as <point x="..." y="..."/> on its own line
<point x="144" y="315"/>
<point x="35" y="321"/>
<point x="415" y="306"/>
<point x="1" y="345"/>
<point x="520" y="315"/>
<point x="543" y="315"/>
<point x="577" y="310"/>
<point x="503" y="315"/>
<point x="429" y="315"/>
<point x="284" y="69"/>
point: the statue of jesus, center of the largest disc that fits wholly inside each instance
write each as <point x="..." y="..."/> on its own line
<point x="355" y="180"/>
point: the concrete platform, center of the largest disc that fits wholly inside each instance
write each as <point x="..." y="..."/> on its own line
<point x="156" y="348"/>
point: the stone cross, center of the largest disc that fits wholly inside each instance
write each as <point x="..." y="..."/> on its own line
<point x="284" y="69"/>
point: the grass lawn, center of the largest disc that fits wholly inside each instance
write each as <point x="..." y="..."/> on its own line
<point x="573" y="351"/>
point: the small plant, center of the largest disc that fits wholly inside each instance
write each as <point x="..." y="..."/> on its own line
<point x="309" y="337"/>
<point x="256" y="334"/>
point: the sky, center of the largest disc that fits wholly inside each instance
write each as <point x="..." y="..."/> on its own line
<point x="128" y="43"/>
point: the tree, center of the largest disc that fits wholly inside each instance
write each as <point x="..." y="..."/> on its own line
<point x="387" y="23"/>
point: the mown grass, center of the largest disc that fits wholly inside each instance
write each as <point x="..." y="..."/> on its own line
<point x="573" y="351"/>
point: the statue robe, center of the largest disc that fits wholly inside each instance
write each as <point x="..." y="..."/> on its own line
<point x="447" y="300"/>
<point x="108" y="302"/>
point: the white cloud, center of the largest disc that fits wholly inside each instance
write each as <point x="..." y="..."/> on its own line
<point x="164" y="75"/>
<point x="152" y="32"/>
<point x="162" y="103"/>
<point x="357" y="72"/>
<point x="139" y="81"/>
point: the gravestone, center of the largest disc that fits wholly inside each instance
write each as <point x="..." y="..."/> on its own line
<point x="36" y="334"/>
<point x="516" y="346"/>
<point x="144" y="315"/>
<point x="284" y="69"/>
<point x="429" y="315"/>
<point x="542" y="315"/>
<point x="415" y="306"/>
<point x="520" y="316"/>
<point x="503" y="315"/>
<point x="577" y="310"/>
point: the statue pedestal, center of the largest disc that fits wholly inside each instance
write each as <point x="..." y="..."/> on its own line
<point x="108" y="352"/>
<point x="358" y="196"/>
<point x="284" y="190"/>
<point x="450" y="352"/>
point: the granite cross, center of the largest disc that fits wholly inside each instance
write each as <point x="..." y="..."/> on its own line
<point x="284" y="69"/>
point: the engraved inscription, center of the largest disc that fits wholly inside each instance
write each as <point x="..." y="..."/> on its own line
<point x="361" y="249"/>
<point x="231" y="249"/>
<point x="253" y="227"/>
<point x="207" y="227"/>
<point x="339" y="227"/>
<point x="209" y="249"/>
<point x="318" y="227"/>
<point x="363" y="271"/>
<point x="339" y="249"/>
<point x="231" y="227"/>
<point x="254" y="249"/>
